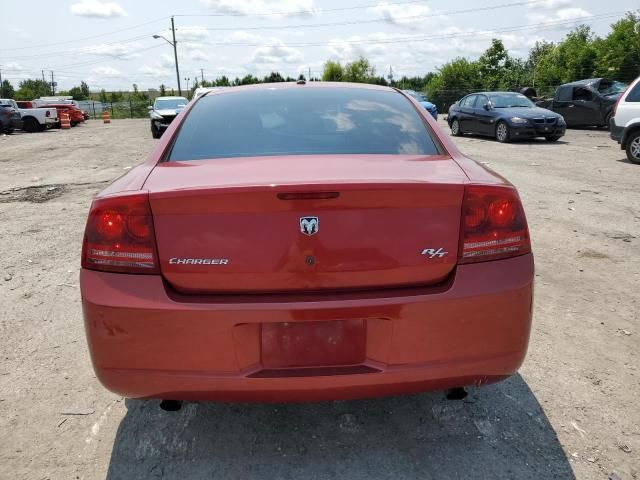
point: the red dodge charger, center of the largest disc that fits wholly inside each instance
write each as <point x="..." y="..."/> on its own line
<point x="305" y="242"/>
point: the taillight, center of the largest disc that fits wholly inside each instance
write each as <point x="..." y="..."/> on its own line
<point x="493" y="224"/>
<point x="119" y="235"/>
<point x="615" y="107"/>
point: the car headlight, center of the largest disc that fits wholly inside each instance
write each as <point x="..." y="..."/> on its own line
<point x="519" y="120"/>
<point x="156" y="116"/>
<point x="561" y="121"/>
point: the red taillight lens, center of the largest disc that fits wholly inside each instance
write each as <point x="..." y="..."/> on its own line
<point x="493" y="224"/>
<point x="119" y="236"/>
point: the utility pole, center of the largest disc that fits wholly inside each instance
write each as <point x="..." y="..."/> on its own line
<point x="1" y="86"/>
<point x="53" y="85"/>
<point x="175" y="54"/>
<point x="309" y="77"/>
<point x="390" y="76"/>
<point x="202" y="75"/>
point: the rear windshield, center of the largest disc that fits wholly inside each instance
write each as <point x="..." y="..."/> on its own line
<point x="301" y="121"/>
<point x="171" y="104"/>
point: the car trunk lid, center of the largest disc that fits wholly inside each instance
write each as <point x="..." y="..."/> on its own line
<point x="312" y="223"/>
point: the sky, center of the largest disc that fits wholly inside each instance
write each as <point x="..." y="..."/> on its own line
<point x="109" y="44"/>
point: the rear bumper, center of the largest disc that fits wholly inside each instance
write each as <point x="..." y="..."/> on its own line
<point x="615" y="132"/>
<point x="146" y="341"/>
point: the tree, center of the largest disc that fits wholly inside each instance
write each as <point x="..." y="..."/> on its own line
<point x="493" y="65"/>
<point x="32" y="88"/>
<point x="163" y="90"/>
<point x="619" y="52"/>
<point x="103" y="96"/>
<point x="223" y="81"/>
<point x="84" y="88"/>
<point x="6" y="89"/>
<point x="332" y="72"/>
<point x="358" y="71"/>
<point x="273" y="77"/>
<point x="452" y="81"/>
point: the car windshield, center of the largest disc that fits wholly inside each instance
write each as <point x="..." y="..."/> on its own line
<point x="170" y="103"/>
<point x="509" y="100"/>
<point x="611" y="88"/>
<point x="301" y="121"/>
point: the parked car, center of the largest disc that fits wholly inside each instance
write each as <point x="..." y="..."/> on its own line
<point x="506" y="116"/>
<point x="33" y="119"/>
<point x="75" y="115"/>
<point x="163" y="111"/>
<point x="625" y="124"/>
<point x="250" y="258"/>
<point x="9" y="119"/>
<point x="422" y="100"/>
<point x="586" y="102"/>
<point x="60" y="100"/>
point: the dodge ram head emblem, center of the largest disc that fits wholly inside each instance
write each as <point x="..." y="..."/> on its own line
<point x="309" y="225"/>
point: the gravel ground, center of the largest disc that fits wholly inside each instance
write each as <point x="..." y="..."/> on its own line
<point x="572" y="412"/>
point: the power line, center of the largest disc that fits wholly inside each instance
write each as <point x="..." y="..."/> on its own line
<point x="380" y="20"/>
<point x="86" y="38"/>
<point x="298" y="13"/>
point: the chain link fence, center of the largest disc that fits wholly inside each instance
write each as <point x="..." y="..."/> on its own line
<point x="123" y="109"/>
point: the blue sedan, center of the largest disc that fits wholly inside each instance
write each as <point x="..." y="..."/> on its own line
<point x="422" y="100"/>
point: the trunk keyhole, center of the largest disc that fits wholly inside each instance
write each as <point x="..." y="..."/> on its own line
<point x="310" y="260"/>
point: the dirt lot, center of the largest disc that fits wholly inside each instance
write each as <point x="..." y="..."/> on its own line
<point x="571" y="413"/>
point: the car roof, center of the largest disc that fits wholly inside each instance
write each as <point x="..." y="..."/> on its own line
<point x="588" y="81"/>
<point x="296" y="85"/>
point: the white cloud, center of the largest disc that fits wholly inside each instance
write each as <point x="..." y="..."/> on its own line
<point x="109" y="72"/>
<point x="115" y="50"/>
<point x="276" y="8"/>
<point x="407" y="15"/>
<point x="154" y="71"/>
<point x="167" y="61"/>
<point x="198" y="55"/>
<point x="240" y="36"/>
<point x="191" y="33"/>
<point x="97" y="9"/>
<point x="12" y="67"/>
<point x="276" y="54"/>
<point x="549" y="11"/>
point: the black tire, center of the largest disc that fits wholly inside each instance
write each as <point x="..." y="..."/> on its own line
<point x="155" y="132"/>
<point x="607" y="120"/>
<point x="30" y="125"/>
<point x="8" y="131"/>
<point x="455" y="128"/>
<point x="552" y="138"/>
<point x="633" y="147"/>
<point x="503" y="135"/>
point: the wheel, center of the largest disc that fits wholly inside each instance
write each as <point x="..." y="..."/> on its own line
<point x="455" y="128"/>
<point x="552" y="138"/>
<point x="607" y="120"/>
<point x="502" y="132"/>
<point x="8" y="131"/>
<point x="633" y="147"/>
<point x="30" y="125"/>
<point x="155" y="132"/>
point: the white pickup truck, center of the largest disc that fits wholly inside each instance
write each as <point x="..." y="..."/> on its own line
<point x="34" y="119"/>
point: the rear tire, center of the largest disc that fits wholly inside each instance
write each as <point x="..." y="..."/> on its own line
<point x="30" y="125"/>
<point x="455" y="128"/>
<point x="633" y="147"/>
<point x="155" y="132"/>
<point x="552" y="138"/>
<point x="502" y="132"/>
<point x="8" y="131"/>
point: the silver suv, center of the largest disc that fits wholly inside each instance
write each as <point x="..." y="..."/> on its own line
<point x="163" y="112"/>
<point x="625" y="124"/>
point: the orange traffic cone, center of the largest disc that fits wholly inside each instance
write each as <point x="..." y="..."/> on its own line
<point x="105" y="117"/>
<point x="65" y="123"/>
